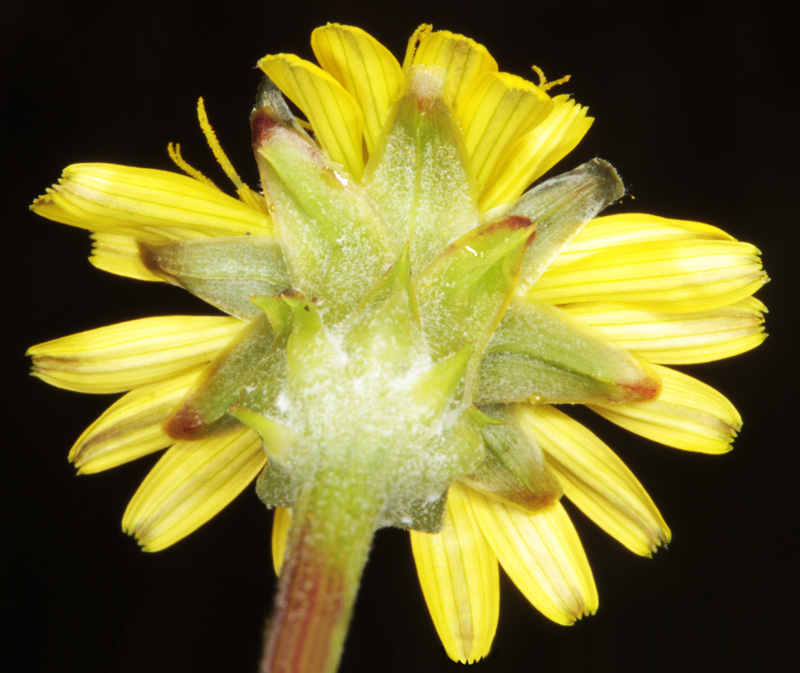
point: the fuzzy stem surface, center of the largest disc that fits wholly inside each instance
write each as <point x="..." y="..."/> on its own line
<point x="328" y="545"/>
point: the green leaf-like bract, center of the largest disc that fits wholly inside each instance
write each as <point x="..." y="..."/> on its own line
<point x="539" y="351"/>
<point x="224" y="271"/>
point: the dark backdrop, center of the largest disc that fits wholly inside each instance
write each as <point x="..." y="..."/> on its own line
<point x="692" y="106"/>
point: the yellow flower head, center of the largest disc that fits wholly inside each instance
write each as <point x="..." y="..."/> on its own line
<point x="403" y="320"/>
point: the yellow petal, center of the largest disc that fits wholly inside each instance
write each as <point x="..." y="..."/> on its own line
<point x="542" y="554"/>
<point x="132" y="426"/>
<point x="459" y="578"/>
<point x="131" y="354"/>
<point x="536" y="152"/>
<point x="120" y="255"/>
<point x="595" y="479"/>
<point x="191" y="483"/>
<point x="687" y="414"/>
<point x="608" y="231"/>
<point x="465" y="61"/>
<point x="332" y="111"/>
<point x="677" y="275"/>
<point x="145" y="203"/>
<point x="281" y="520"/>
<point x="678" y="338"/>
<point x="498" y="110"/>
<point x="364" y="67"/>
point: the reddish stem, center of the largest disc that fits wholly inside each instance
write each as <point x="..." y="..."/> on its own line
<point x="317" y="589"/>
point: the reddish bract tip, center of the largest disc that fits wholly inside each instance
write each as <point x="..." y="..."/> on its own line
<point x="293" y="293"/>
<point x="521" y="222"/>
<point x="646" y="388"/>
<point x="517" y="222"/>
<point x="512" y="223"/>
<point x="531" y="500"/>
<point x="262" y="126"/>
<point x="185" y="424"/>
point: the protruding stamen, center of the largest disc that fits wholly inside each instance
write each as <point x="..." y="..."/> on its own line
<point x="544" y="84"/>
<point x="245" y="193"/>
<point x="174" y="151"/>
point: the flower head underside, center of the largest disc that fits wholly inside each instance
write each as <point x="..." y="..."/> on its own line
<point x="401" y="320"/>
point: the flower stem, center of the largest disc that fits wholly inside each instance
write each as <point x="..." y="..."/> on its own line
<point x="328" y="544"/>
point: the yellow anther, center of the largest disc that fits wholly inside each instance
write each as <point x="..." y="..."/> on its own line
<point x="175" y="154"/>
<point x="543" y="83"/>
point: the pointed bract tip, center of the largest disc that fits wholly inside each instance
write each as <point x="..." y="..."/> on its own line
<point x="517" y="223"/>
<point x="262" y="126"/>
<point x="510" y="223"/>
<point x="184" y="424"/>
<point x="642" y="389"/>
<point x="426" y="84"/>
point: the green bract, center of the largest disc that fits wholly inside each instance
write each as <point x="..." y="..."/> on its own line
<point x="388" y="313"/>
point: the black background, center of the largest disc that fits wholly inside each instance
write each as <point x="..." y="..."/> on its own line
<point x="693" y="106"/>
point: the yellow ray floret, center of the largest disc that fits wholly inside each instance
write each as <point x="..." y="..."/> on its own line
<point x="132" y="427"/>
<point x="465" y="61"/>
<point x="191" y="483"/>
<point x="281" y="521"/>
<point x="365" y="68"/>
<point x="595" y="479"/>
<point x="542" y="554"/>
<point x="119" y="254"/>
<point x="334" y="114"/>
<point x="131" y="354"/>
<point x="674" y="275"/>
<point x="536" y="152"/>
<point x="678" y="338"/>
<point x="459" y="577"/>
<point x="609" y="231"/>
<point x="498" y="110"/>
<point x="687" y="414"/>
<point x="146" y="203"/>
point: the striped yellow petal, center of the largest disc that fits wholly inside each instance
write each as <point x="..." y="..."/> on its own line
<point x="595" y="479"/>
<point x="132" y="426"/>
<point x="459" y="578"/>
<point x="498" y="110"/>
<point x="131" y="354"/>
<point x="536" y="152"/>
<point x="610" y="231"/>
<point x="678" y="338"/>
<point x="281" y="520"/>
<point x="677" y="275"/>
<point x="364" y="67"/>
<point x="334" y="114"/>
<point x="119" y="254"/>
<point x="687" y="414"/>
<point x="191" y="483"/>
<point x="542" y="554"/>
<point x="465" y="61"/>
<point x="145" y="202"/>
